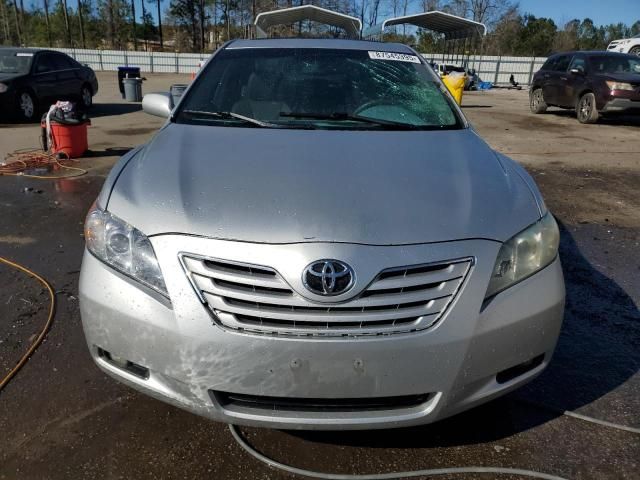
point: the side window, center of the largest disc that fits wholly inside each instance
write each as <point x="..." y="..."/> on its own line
<point x="578" y="63"/>
<point x="562" y="64"/>
<point x="548" y="65"/>
<point x="44" y="63"/>
<point x="62" y="62"/>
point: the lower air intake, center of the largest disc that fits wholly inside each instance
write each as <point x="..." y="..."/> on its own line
<point x="319" y="404"/>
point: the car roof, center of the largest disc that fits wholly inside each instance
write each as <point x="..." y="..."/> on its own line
<point x="24" y="50"/>
<point x="340" y="44"/>
<point x="591" y="53"/>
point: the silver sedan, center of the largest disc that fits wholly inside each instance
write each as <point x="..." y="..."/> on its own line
<point x="317" y="239"/>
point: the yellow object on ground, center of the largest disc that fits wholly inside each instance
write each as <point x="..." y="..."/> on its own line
<point x="455" y="84"/>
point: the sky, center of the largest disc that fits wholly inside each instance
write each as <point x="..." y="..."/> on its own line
<point x="602" y="12"/>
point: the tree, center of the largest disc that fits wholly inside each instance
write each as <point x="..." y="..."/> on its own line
<point x="588" y="35"/>
<point x="505" y="36"/>
<point x="81" y="22"/>
<point x="185" y="14"/>
<point x="536" y="37"/>
<point x="567" y="39"/>
<point x="48" y="23"/>
<point x="65" y="11"/>
<point x="133" y="24"/>
<point x="373" y="13"/>
<point x="490" y="11"/>
<point x="16" y="18"/>
<point x="159" y="23"/>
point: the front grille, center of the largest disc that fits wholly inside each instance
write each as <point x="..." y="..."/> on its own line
<point x="256" y="299"/>
<point x="318" y="404"/>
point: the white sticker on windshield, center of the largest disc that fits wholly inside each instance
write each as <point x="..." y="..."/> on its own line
<point x="398" y="57"/>
<point x="22" y="54"/>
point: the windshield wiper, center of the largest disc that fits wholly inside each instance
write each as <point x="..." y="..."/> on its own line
<point x="231" y="115"/>
<point x="343" y="116"/>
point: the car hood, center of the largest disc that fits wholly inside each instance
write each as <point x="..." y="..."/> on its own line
<point x="286" y="186"/>
<point x="7" y="77"/>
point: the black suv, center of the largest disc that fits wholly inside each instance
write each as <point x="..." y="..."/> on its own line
<point x="592" y="83"/>
<point x="30" y="79"/>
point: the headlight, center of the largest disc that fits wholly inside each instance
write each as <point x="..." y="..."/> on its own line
<point x="3" y="87"/>
<point x="619" y="86"/>
<point x="124" y="248"/>
<point x="525" y="254"/>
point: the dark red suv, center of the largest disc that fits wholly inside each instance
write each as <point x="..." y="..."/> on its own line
<point x="592" y="83"/>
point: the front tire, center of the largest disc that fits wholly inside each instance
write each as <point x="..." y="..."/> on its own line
<point x="536" y="101"/>
<point x="86" y="97"/>
<point x="635" y="50"/>
<point x="27" y="106"/>
<point x="587" y="111"/>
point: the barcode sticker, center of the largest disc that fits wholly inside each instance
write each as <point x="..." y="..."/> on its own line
<point x="398" y="57"/>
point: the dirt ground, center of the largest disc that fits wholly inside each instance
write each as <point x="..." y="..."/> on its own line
<point x="62" y="418"/>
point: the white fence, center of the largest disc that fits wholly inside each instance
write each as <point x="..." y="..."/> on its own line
<point x="494" y="69"/>
<point x="149" y="62"/>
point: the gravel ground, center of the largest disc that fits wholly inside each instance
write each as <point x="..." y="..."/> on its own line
<point x="62" y="418"/>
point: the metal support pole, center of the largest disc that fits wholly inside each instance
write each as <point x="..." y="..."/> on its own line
<point x="495" y="78"/>
<point x="177" y="67"/>
<point x="151" y="61"/>
<point x="533" y="61"/>
<point x="100" y="58"/>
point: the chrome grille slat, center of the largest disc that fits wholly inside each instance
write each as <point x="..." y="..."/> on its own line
<point x="443" y="290"/>
<point x="451" y="272"/>
<point x="197" y="266"/>
<point x="306" y="314"/>
<point x="257" y="300"/>
<point x="266" y="325"/>
<point x="207" y="285"/>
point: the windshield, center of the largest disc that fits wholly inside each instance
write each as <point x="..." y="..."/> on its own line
<point x="615" y="64"/>
<point x="318" y="88"/>
<point x="15" y="62"/>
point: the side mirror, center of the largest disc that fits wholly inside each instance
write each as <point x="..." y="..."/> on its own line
<point x="158" y="104"/>
<point x="576" y="71"/>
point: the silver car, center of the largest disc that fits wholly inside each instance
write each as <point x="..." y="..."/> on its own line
<point x="317" y="239"/>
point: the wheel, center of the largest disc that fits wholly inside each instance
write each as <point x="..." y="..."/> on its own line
<point x="586" y="111"/>
<point x="27" y="106"/>
<point x="536" y="101"/>
<point x="86" y="96"/>
<point x="635" y="50"/>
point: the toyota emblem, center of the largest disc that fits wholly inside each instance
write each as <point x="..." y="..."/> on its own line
<point x="328" y="277"/>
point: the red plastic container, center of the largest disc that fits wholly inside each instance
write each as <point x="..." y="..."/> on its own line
<point x="70" y="139"/>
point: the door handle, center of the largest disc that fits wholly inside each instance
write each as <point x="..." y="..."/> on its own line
<point x="546" y="75"/>
<point x="563" y="78"/>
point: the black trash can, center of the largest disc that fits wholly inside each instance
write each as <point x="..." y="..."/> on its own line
<point x="126" y="72"/>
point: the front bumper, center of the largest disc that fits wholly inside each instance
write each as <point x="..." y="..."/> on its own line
<point x="7" y="102"/>
<point x="452" y="364"/>
<point x="626" y="105"/>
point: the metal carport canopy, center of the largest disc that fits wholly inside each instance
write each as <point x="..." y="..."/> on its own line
<point x="285" y="16"/>
<point x="451" y="26"/>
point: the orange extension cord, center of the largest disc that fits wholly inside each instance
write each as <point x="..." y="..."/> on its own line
<point x="43" y="332"/>
<point x="18" y="162"/>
